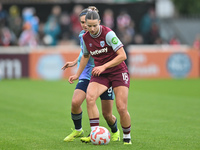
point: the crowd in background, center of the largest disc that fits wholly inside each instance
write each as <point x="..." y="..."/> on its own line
<point x="24" y="28"/>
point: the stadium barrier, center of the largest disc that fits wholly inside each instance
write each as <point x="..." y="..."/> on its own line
<point x="144" y="62"/>
<point x="14" y="62"/>
<point x="46" y="63"/>
<point x="163" y="62"/>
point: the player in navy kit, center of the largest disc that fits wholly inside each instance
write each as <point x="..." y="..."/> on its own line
<point x="80" y="94"/>
<point x="110" y="70"/>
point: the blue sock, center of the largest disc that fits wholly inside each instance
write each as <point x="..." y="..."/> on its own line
<point x="77" y="119"/>
<point x="113" y="127"/>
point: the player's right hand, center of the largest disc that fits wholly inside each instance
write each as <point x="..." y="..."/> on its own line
<point x="72" y="78"/>
<point x="68" y="64"/>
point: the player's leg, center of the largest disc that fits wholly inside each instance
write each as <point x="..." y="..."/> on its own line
<point x="107" y="111"/>
<point x="107" y="99"/>
<point x="97" y="86"/>
<point x="76" y="110"/>
<point x="94" y="90"/>
<point x="121" y="95"/>
<point x="120" y="84"/>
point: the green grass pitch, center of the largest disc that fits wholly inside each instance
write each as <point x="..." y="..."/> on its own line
<point x="35" y="115"/>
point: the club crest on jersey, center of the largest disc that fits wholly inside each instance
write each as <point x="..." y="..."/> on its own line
<point x="90" y="44"/>
<point x="102" y="43"/>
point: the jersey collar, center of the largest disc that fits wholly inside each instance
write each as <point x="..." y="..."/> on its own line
<point x="98" y="34"/>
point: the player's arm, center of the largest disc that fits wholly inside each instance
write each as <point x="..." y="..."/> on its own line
<point x="83" y="63"/>
<point x="121" y="56"/>
<point x="113" y="41"/>
<point x="73" y="63"/>
<point x="84" y="60"/>
<point x="117" y="46"/>
<point x="70" y="64"/>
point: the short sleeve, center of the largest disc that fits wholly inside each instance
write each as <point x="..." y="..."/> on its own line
<point x="85" y="51"/>
<point x="113" y="41"/>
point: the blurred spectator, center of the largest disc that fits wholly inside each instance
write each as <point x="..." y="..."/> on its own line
<point x="196" y="43"/>
<point x="52" y="27"/>
<point x="138" y="39"/>
<point x="75" y="22"/>
<point x="15" y="20"/>
<point x="28" y="37"/>
<point x="108" y="18"/>
<point x="154" y="35"/>
<point x="29" y="15"/>
<point x="55" y="13"/>
<point x="3" y="16"/>
<point x="41" y="34"/>
<point x="51" y="31"/>
<point x="174" y="41"/>
<point x="35" y="22"/>
<point x="125" y="31"/>
<point x="146" y="24"/>
<point x="123" y="20"/>
<point x="65" y="26"/>
<point x="158" y="40"/>
<point x="7" y="37"/>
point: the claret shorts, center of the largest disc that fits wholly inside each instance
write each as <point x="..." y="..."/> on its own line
<point x="112" y="79"/>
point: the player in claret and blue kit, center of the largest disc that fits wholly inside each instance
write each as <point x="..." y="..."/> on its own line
<point x="110" y="70"/>
<point x="80" y="95"/>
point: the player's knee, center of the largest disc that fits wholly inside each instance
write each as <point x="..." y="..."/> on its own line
<point x="121" y="109"/>
<point x="90" y="99"/>
<point x="75" y="104"/>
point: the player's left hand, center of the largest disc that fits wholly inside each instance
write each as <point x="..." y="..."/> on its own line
<point x="96" y="71"/>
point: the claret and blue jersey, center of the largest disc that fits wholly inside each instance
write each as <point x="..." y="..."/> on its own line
<point x="103" y="47"/>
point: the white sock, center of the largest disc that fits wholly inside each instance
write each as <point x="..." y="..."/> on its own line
<point x="93" y="127"/>
<point x="126" y="136"/>
<point x="79" y="129"/>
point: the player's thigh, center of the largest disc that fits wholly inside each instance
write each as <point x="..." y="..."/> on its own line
<point x="121" y="96"/>
<point x="94" y="90"/>
<point x="108" y="95"/>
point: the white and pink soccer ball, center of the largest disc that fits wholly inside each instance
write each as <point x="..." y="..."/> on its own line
<point x="100" y="136"/>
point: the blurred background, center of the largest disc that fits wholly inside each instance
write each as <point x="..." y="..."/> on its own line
<point x="161" y="37"/>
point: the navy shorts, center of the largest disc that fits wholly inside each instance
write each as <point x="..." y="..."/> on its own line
<point x="83" y="84"/>
<point x="108" y="95"/>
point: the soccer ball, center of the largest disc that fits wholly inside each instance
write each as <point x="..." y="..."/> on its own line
<point x="100" y="136"/>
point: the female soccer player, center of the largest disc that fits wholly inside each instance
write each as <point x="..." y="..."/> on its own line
<point x="110" y="70"/>
<point x="80" y="94"/>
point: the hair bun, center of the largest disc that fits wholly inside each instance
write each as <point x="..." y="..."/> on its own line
<point x="93" y="8"/>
